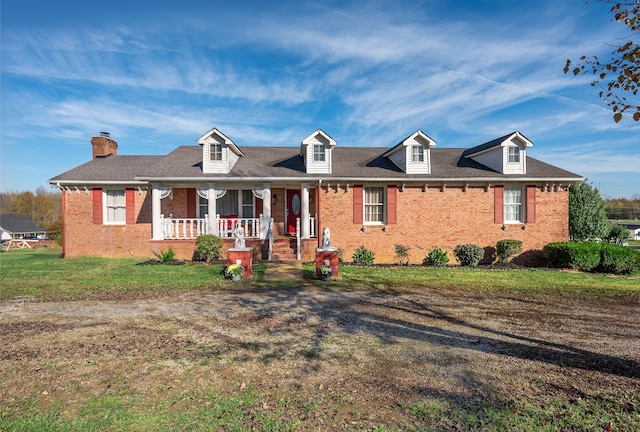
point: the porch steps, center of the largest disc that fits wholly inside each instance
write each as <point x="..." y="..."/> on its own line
<point x="284" y="249"/>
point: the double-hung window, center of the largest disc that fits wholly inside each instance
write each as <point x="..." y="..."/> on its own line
<point x="215" y="151"/>
<point x="374" y="205"/>
<point x="514" y="154"/>
<point x="115" y="206"/>
<point x="417" y="153"/>
<point x="513" y="204"/>
<point x="318" y="153"/>
<point x="203" y="206"/>
<point x="247" y="204"/>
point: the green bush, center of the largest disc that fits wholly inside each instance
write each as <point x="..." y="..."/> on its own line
<point x="583" y="256"/>
<point x="402" y="254"/>
<point x="362" y="256"/>
<point x="208" y="248"/>
<point x="618" y="259"/>
<point x="167" y="256"/>
<point x="436" y="257"/>
<point x="508" y="248"/>
<point x="468" y="254"/>
<point x="591" y="256"/>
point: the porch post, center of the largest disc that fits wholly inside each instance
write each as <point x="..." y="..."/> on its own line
<point x="304" y="228"/>
<point x="212" y="210"/>
<point x="156" y="225"/>
<point x="266" y="210"/>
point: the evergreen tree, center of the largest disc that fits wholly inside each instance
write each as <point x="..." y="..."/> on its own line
<point x="587" y="213"/>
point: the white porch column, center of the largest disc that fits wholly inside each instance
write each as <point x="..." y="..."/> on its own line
<point x="212" y="211"/>
<point x="156" y="209"/>
<point x="304" y="223"/>
<point x="266" y="210"/>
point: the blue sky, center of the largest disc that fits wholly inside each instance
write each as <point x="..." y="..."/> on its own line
<point x="159" y="74"/>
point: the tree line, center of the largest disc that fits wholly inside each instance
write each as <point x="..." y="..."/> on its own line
<point x="44" y="207"/>
<point x="623" y="208"/>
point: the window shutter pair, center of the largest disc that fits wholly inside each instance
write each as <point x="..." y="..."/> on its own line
<point x="391" y="204"/>
<point x="499" y="204"/>
<point x="130" y="197"/>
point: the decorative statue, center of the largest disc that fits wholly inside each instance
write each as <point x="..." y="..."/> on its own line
<point x="239" y="237"/>
<point x="326" y="238"/>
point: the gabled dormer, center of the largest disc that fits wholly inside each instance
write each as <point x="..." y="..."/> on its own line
<point x="219" y="153"/>
<point x="316" y="150"/>
<point x="506" y="155"/>
<point x="413" y="154"/>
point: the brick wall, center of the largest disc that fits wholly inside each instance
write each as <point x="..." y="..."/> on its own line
<point x="441" y="219"/>
<point x="424" y="220"/>
<point x="81" y="237"/>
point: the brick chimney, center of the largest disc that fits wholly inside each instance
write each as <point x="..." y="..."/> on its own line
<point x="103" y="145"/>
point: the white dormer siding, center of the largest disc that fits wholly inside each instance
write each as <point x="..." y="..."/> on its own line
<point x="219" y="153"/>
<point x="413" y="155"/>
<point x="316" y="149"/>
<point x="506" y="156"/>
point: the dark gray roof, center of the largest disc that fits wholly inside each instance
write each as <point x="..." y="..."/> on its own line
<point x="490" y="144"/>
<point x="185" y="162"/>
<point x="109" y="168"/>
<point x="19" y="224"/>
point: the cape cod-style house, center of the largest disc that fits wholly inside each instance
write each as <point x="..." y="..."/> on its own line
<point x="412" y="194"/>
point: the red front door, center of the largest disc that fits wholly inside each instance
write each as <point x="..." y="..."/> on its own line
<point x="294" y="205"/>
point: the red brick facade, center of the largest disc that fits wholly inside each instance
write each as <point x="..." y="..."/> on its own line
<point x="441" y="218"/>
<point x="84" y="236"/>
<point x="424" y="219"/>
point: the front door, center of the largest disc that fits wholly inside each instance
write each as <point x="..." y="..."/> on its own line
<point x="294" y="206"/>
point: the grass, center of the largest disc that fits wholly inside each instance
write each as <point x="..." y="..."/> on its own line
<point x="43" y="274"/>
<point x="117" y="413"/>
<point x="528" y="281"/>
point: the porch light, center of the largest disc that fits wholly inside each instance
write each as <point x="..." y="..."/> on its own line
<point x="274" y="198"/>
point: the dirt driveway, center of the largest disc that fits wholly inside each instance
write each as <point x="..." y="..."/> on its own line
<point x="340" y="357"/>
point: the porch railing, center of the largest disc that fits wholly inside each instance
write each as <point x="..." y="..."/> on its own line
<point x="228" y="225"/>
<point x="190" y="228"/>
<point x="183" y="228"/>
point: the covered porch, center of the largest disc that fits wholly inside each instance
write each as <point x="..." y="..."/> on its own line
<point x="263" y="213"/>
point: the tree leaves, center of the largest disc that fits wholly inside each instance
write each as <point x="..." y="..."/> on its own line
<point x="624" y="66"/>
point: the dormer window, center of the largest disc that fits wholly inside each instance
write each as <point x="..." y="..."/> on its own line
<point x="413" y="154"/>
<point x="316" y="150"/>
<point x="514" y="154"/>
<point x="219" y="153"/>
<point x="417" y="153"/>
<point x="318" y="153"/>
<point x="215" y="151"/>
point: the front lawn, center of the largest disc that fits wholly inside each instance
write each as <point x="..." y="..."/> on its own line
<point x="43" y="274"/>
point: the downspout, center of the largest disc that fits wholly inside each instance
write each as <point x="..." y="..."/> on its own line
<point x="319" y="216"/>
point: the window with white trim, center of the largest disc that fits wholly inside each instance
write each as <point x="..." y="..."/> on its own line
<point x="417" y="153"/>
<point x="236" y="203"/>
<point x="514" y="154"/>
<point x="374" y="205"/>
<point x="513" y="204"/>
<point x="247" y="204"/>
<point x="203" y="206"/>
<point x="318" y="153"/>
<point x="115" y="206"/>
<point x="215" y="151"/>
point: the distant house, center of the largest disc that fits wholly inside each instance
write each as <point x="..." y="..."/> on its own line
<point x="411" y="194"/>
<point x="634" y="229"/>
<point x="18" y="226"/>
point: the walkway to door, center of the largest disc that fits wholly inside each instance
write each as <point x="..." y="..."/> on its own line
<point x="283" y="271"/>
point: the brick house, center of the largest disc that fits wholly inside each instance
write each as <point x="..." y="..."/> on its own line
<point x="412" y="194"/>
